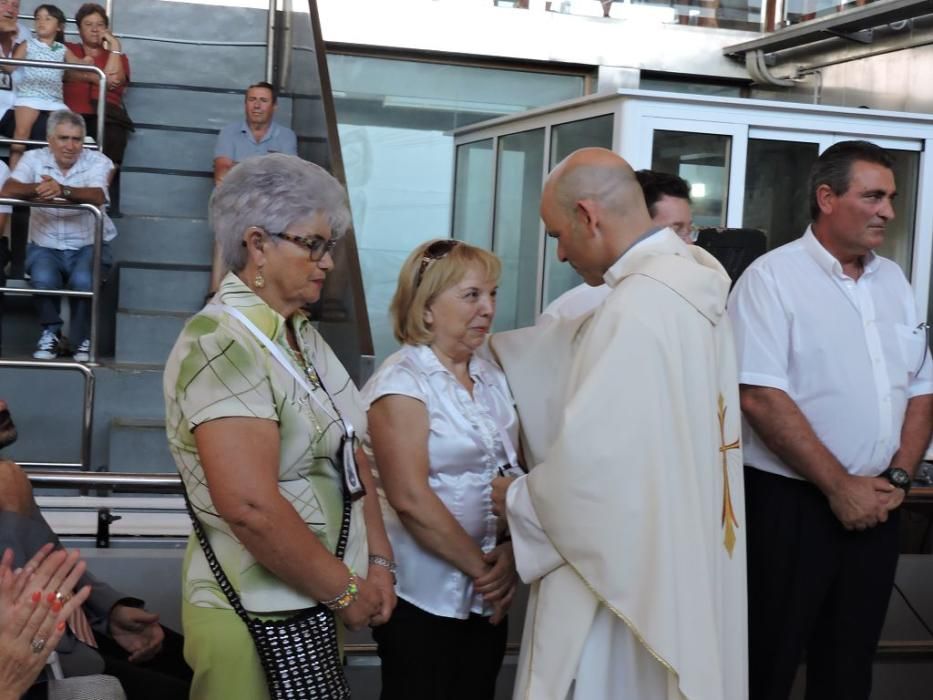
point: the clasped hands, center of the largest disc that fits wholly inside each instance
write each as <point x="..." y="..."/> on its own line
<point x="374" y="603"/>
<point x="861" y="502"/>
<point x="497" y="584"/>
<point x="136" y="630"/>
<point x="48" y="188"/>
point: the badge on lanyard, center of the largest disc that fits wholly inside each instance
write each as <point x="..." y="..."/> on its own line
<point x="351" y="473"/>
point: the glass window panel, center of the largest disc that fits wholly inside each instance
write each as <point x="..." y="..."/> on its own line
<point x="565" y="139"/>
<point x="394" y="116"/>
<point x="571" y="136"/>
<point x="690" y="87"/>
<point x="796" y="11"/>
<point x="517" y="227"/>
<point x="776" y="196"/>
<point x="473" y="193"/>
<point x="899" y="240"/>
<point x="703" y="161"/>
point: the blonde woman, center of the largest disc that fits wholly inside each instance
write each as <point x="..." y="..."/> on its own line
<point x="441" y="426"/>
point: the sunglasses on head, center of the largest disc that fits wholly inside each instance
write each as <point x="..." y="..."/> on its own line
<point x="435" y="251"/>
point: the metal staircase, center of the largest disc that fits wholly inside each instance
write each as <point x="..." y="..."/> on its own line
<point x="190" y="65"/>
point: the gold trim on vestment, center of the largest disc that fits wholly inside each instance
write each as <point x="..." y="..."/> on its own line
<point x="666" y="664"/>
<point x="729" y="520"/>
<point x="602" y="601"/>
<point x="531" y="654"/>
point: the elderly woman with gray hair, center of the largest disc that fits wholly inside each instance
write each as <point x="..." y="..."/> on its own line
<point x="261" y="418"/>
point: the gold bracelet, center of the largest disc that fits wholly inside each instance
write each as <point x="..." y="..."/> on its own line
<point x="345" y="599"/>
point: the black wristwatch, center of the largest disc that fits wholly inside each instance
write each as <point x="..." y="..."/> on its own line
<point x="66" y="192"/>
<point x="898" y="477"/>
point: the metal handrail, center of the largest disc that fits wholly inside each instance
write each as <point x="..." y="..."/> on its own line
<point x="134" y="482"/>
<point x="94" y="294"/>
<point x="87" y="417"/>
<point x="61" y="65"/>
<point x="270" y="41"/>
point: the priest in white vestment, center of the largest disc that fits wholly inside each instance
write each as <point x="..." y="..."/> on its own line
<point x="630" y="524"/>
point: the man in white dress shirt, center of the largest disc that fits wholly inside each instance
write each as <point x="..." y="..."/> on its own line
<point x="629" y="524"/>
<point x="668" y="199"/>
<point x="837" y="396"/>
<point x="61" y="241"/>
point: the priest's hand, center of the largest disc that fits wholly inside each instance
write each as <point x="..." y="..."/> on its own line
<point x="500" y="487"/>
<point x="861" y="502"/>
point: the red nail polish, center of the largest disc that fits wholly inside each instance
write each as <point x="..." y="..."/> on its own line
<point x="51" y="597"/>
<point x="61" y="626"/>
<point x="37" y="596"/>
<point x="56" y="606"/>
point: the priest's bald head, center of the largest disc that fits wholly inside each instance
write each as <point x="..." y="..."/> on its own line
<point x="593" y="205"/>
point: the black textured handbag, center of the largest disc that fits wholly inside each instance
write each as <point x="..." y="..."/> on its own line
<point x="299" y="654"/>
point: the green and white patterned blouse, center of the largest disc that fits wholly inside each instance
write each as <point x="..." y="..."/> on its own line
<point x="218" y="369"/>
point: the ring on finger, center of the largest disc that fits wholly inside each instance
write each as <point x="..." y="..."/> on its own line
<point x="62" y="597"/>
<point x="37" y="645"/>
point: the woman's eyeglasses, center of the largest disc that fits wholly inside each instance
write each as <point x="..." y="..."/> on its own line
<point x="317" y="247"/>
<point x="435" y="251"/>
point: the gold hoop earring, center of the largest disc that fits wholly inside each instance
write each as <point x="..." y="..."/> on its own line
<point x="259" y="281"/>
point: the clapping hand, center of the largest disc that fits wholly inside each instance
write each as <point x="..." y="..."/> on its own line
<point x="34" y="607"/>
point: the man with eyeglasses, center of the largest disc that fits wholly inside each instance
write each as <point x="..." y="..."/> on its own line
<point x="837" y="396"/>
<point x="668" y="200"/>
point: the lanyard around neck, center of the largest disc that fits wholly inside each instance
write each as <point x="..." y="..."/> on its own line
<point x="277" y="353"/>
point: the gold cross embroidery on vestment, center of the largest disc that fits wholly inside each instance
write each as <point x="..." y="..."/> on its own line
<point x="729" y="521"/>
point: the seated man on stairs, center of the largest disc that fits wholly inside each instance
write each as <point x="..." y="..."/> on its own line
<point x="114" y="634"/>
<point x="61" y="241"/>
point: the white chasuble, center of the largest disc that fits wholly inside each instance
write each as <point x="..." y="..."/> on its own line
<point x="630" y="526"/>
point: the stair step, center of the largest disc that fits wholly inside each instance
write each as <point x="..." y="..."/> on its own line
<point x="178" y="195"/>
<point x="163" y="239"/>
<point x="139" y="445"/>
<point x="146" y="336"/>
<point x="171" y="149"/>
<point x="163" y="288"/>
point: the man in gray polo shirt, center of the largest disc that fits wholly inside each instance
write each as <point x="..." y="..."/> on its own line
<point x="256" y="135"/>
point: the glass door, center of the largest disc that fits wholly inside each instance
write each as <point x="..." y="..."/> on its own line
<point x="708" y="155"/>
<point x="473" y="193"/>
<point x="703" y="160"/>
<point x="899" y="241"/>
<point x="517" y="227"/>
<point x="777" y="173"/>
<point x="565" y="139"/>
